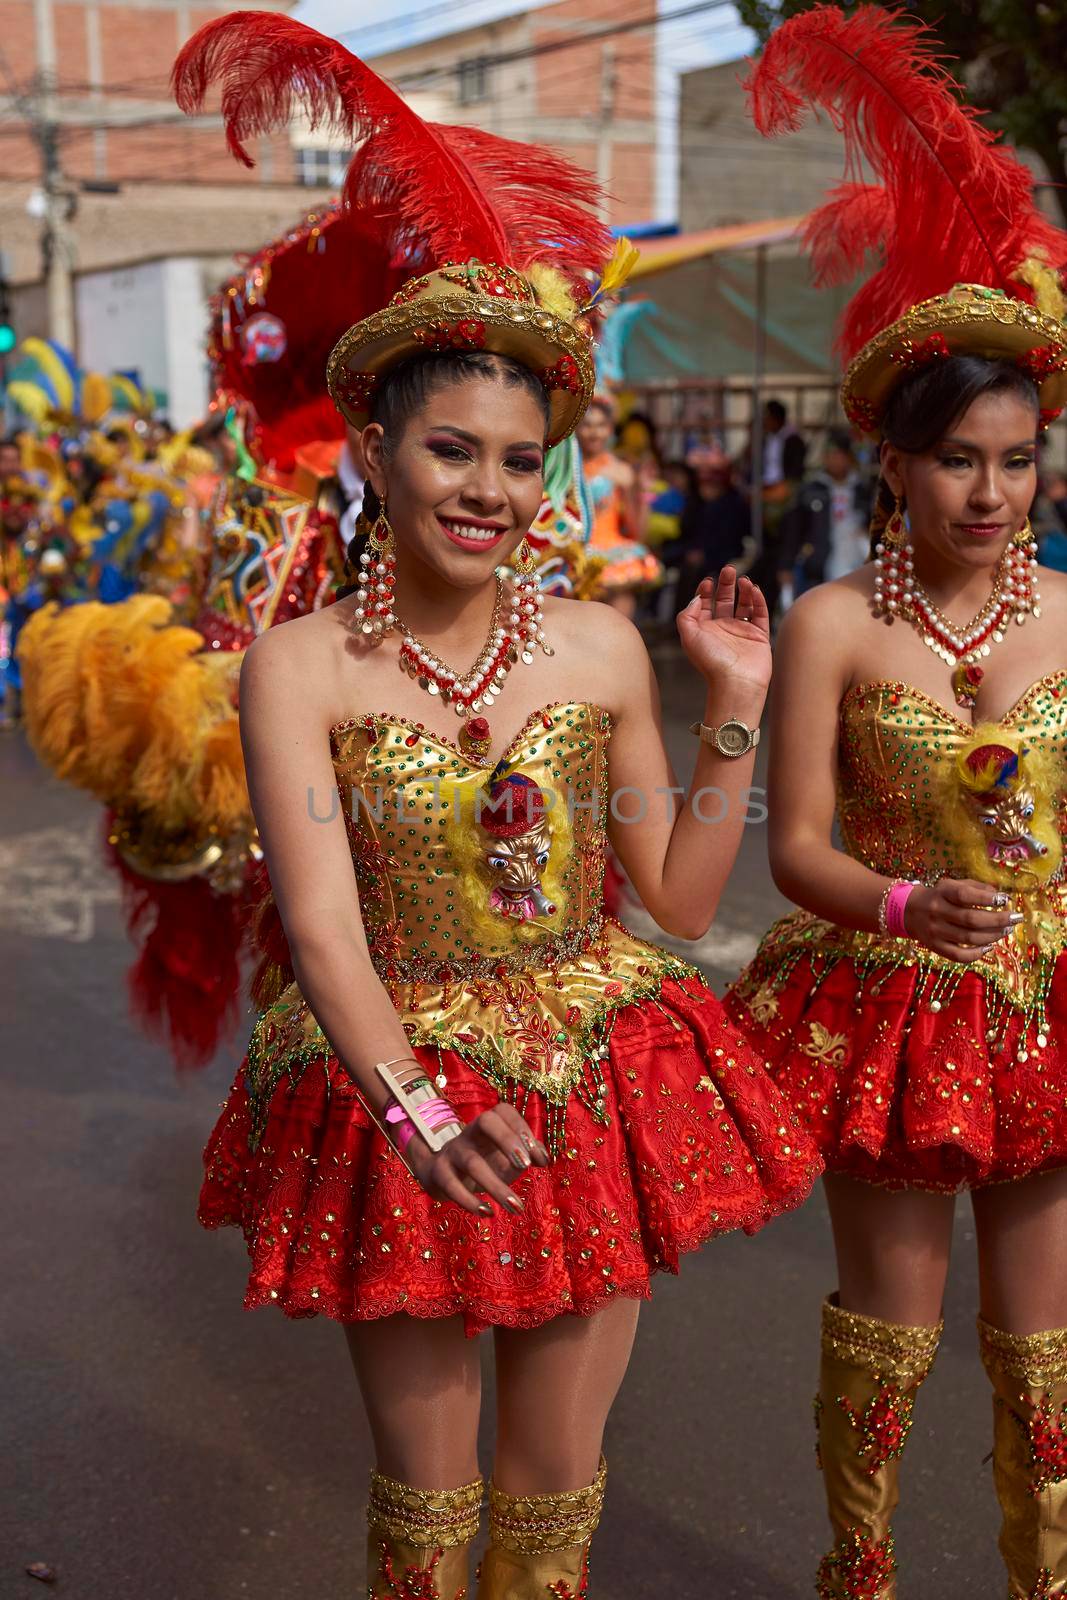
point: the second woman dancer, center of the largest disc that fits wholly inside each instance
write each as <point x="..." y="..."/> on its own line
<point x="915" y="1010"/>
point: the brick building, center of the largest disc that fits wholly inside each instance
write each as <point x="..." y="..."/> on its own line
<point x="154" y="209"/>
<point x="536" y="76"/>
<point x="141" y="180"/>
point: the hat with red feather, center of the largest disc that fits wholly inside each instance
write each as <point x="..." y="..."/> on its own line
<point x="493" y="243"/>
<point x="969" y="265"/>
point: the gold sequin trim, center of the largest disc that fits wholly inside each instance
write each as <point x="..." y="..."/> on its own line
<point x="536" y="1524"/>
<point x="885" y="1349"/>
<point x="441" y="1518"/>
<point x="1038" y="1359"/>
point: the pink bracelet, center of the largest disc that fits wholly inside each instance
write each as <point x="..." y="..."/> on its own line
<point x="895" y="902"/>
<point x="438" y="1114"/>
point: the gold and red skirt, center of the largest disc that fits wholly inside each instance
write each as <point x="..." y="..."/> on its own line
<point x="686" y="1138"/>
<point x="909" y="1070"/>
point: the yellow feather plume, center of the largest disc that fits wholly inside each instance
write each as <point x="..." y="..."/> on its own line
<point x="96" y="397"/>
<point x="122" y="702"/>
<point x="553" y="291"/>
<point x="621" y="263"/>
<point x="1045" y="282"/>
<point x="54" y="370"/>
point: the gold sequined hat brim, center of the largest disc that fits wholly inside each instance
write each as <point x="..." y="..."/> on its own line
<point x="981" y="322"/>
<point x="528" y="334"/>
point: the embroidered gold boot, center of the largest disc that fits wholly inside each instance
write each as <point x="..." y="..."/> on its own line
<point x="1029" y="1378"/>
<point x="869" y="1376"/>
<point x="539" y="1543"/>
<point x="419" y="1540"/>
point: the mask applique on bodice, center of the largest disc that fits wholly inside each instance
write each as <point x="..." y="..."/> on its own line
<point x="924" y="795"/>
<point x="481" y="890"/>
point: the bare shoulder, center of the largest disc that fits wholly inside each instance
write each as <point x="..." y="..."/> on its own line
<point x="602" y="651"/>
<point x="297" y="663"/>
<point x="829" y="606"/>
<point x="591" y="627"/>
<point x="1053" y="586"/>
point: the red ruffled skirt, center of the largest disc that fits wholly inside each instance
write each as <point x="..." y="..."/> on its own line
<point x="697" y="1142"/>
<point x="907" y="1080"/>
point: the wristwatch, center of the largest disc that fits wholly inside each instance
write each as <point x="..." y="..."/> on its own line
<point x="731" y="739"/>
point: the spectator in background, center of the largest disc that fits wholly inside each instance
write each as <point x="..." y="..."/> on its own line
<point x="619" y="513"/>
<point x="784" y="449"/>
<point x="825" y="533"/>
<point x="784" y="453"/>
<point x="714" y="522"/>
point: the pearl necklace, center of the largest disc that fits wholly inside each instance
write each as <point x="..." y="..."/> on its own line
<point x="898" y="593"/>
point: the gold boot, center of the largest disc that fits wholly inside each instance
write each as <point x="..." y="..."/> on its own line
<point x="1029" y="1378"/>
<point x="419" y="1540"/>
<point x="539" y="1543"/>
<point x="870" y="1373"/>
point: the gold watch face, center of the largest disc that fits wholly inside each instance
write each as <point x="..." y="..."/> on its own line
<point x="733" y="739"/>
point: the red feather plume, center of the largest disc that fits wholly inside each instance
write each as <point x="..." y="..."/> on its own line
<point x="438" y="193"/>
<point x="952" y="204"/>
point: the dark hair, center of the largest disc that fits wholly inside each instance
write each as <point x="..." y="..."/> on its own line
<point x="9" y="441"/>
<point x="923" y="408"/>
<point x="840" y="439"/>
<point x="407" y="387"/>
<point x="776" y="409"/>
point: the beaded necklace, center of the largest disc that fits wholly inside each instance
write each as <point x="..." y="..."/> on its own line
<point x="898" y="593"/>
<point x="516" y="638"/>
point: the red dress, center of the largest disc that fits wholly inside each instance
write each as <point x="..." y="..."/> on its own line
<point x="908" y="1069"/>
<point x="663" y="1126"/>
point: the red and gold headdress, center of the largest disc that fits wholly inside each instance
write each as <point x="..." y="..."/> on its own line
<point x="493" y="241"/>
<point x="969" y="264"/>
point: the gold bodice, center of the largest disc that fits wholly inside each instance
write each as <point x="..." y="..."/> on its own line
<point x="415" y="807"/>
<point x="484" y="910"/>
<point x="898" y="788"/>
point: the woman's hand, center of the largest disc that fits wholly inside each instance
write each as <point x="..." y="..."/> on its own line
<point x="726" y="631"/>
<point x="487" y="1157"/>
<point x="954" y="918"/>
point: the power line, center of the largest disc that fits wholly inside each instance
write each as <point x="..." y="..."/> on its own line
<point x="553" y="46"/>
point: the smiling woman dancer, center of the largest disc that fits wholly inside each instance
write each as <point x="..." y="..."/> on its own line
<point x="915" y="1011"/>
<point x="486" y="1105"/>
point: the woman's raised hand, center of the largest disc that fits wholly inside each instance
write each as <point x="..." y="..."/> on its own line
<point x="485" y="1159"/>
<point x="726" y="631"/>
<point x="958" y="918"/>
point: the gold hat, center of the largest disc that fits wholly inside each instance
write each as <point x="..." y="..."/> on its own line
<point x="470" y="306"/>
<point x="970" y="320"/>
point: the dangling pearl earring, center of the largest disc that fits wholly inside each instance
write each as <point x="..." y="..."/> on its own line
<point x="527" y="605"/>
<point x="377" y="582"/>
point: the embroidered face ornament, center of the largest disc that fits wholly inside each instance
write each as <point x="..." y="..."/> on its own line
<point x="516" y="841"/>
<point x="1009" y="805"/>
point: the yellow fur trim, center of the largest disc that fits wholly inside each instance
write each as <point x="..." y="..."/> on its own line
<point x="1035" y="778"/>
<point x="553" y="291"/>
<point x="1045" y="282"/>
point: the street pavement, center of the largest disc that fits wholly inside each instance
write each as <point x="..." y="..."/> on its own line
<point x="160" y="1443"/>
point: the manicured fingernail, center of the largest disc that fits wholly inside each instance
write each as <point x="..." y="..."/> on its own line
<point x="520" y="1159"/>
<point x="485" y="1210"/>
<point x="1015" y="918"/>
<point x="529" y="1141"/>
<point x="515" y="1203"/>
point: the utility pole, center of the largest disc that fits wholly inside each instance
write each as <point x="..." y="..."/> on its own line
<point x="605" y="123"/>
<point x="56" y="243"/>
